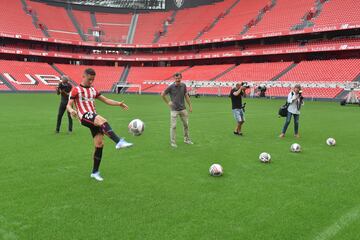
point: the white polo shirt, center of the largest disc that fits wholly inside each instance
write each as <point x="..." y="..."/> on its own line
<point x="294" y="101"/>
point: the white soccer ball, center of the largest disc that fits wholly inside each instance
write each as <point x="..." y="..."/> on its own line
<point x="265" y="157"/>
<point x="216" y="170"/>
<point x="330" y="141"/>
<point x="295" y="147"/>
<point x="136" y="127"/>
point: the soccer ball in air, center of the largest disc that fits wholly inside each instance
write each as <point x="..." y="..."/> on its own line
<point x="295" y="147"/>
<point x="265" y="157"/>
<point x="216" y="170"/>
<point x="330" y="141"/>
<point x="136" y="127"/>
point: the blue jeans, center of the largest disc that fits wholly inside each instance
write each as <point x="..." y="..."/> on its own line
<point x="287" y="122"/>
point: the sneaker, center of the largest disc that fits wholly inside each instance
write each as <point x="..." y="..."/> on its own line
<point x="188" y="142"/>
<point x="236" y="133"/>
<point x="123" y="144"/>
<point x="173" y="145"/>
<point x="56" y="131"/>
<point x="97" y="176"/>
<point x="297" y="135"/>
<point x="282" y="135"/>
<point x="240" y="133"/>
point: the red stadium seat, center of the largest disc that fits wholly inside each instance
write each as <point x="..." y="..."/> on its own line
<point x="13" y="19"/>
<point x="60" y="27"/>
<point x="29" y="76"/>
<point x="106" y="76"/>
<point x="324" y="71"/>
<point x="254" y="72"/>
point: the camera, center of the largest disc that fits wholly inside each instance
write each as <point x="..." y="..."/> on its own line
<point x="245" y="85"/>
<point x="300" y="95"/>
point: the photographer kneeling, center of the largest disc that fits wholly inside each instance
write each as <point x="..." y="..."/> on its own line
<point x="236" y="95"/>
<point x="295" y="101"/>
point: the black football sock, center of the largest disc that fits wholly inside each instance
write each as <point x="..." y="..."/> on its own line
<point x="109" y="132"/>
<point x="97" y="159"/>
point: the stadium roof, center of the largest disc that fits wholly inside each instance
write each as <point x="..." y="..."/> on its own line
<point x="128" y="4"/>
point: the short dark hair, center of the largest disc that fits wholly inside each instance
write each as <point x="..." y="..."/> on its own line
<point x="90" y="71"/>
<point x="177" y="74"/>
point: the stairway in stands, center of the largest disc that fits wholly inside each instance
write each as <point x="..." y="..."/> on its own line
<point x="165" y="27"/>
<point x="258" y="18"/>
<point x="132" y="28"/>
<point x="35" y="19"/>
<point x="95" y="25"/>
<point x="288" y="69"/>
<point x="222" y="15"/>
<point x="122" y="79"/>
<point x="313" y="13"/>
<point x="75" y="23"/>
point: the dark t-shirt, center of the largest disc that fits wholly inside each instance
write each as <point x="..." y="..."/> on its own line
<point x="177" y="96"/>
<point x="64" y="87"/>
<point x="236" y="101"/>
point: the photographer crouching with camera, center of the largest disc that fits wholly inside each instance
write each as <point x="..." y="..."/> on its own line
<point x="294" y="101"/>
<point x="238" y="108"/>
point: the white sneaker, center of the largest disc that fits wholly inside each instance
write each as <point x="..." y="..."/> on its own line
<point x="173" y="145"/>
<point x="123" y="144"/>
<point x="188" y="142"/>
<point x="97" y="176"/>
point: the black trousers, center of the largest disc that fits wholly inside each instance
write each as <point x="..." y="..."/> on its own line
<point x="62" y="109"/>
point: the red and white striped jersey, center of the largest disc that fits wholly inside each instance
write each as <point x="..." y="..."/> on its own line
<point x="84" y="99"/>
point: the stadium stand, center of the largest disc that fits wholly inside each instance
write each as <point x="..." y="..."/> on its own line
<point x="115" y="27"/>
<point x="189" y="23"/>
<point x="343" y="70"/>
<point x="148" y="25"/>
<point x="13" y="19"/>
<point x="106" y="76"/>
<point x="338" y="12"/>
<point x="234" y="22"/>
<point x="198" y="73"/>
<point x="139" y="75"/>
<point x="26" y="76"/>
<point x="284" y="15"/>
<point x="58" y="27"/>
<point x="3" y="87"/>
<point x="254" y="72"/>
<point x="84" y="20"/>
<point x="307" y="92"/>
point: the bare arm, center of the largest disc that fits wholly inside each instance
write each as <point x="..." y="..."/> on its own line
<point x="112" y="102"/>
<point x="187" y="98"/>
<point x="238" y="92"/>
<point x="70" y="109"/>
<point x="166" y="100"/>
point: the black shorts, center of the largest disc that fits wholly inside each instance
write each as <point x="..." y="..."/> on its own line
<point x="88" y="121"/>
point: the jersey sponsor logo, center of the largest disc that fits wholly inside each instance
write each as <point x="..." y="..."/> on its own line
<point x="86" y="99"/>
<point x="179" y="3"/>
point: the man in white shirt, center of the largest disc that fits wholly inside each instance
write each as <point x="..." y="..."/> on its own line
<point x="295" y="101"/>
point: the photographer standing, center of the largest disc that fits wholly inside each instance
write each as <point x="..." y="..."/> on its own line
<point x="236" y="95"/>
<point x="295" y="101"/>
<point x="63" y="89"/>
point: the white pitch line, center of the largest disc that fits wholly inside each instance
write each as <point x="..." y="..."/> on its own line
<point x="341" y="223"/>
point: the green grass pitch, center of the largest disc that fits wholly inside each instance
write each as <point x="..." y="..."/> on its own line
<point x="152" y="191"/>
